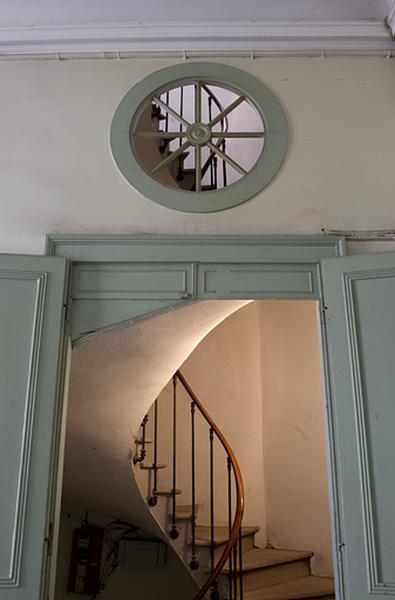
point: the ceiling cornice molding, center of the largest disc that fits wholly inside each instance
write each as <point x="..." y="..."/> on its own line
<point x="197" y="36"/>
<point x="391" y="19"/>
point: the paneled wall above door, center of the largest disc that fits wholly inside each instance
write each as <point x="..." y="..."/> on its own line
<point x="122" y="278"/>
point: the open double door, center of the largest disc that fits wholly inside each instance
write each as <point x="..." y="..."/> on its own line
<point x="358" y="302"/>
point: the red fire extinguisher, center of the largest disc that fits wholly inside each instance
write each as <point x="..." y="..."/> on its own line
<point x="85" y="560"/>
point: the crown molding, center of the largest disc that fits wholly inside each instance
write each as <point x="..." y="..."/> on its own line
<point x="178" y="36"/>
<point x="391" y="19"/>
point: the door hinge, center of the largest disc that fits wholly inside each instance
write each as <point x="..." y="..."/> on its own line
<point x="49" y="539"/>
<point x="324" y="313"/>
<point x="66" y="314"/>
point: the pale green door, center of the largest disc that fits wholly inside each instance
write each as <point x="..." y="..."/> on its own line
<point x="359" y="293"/>
<point x="31" y="331"/>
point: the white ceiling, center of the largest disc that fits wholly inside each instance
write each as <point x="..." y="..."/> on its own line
<point x="44" y="26"/>
<point x="50" y="12"/>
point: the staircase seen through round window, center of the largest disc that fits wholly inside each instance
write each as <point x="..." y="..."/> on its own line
<point x="198" y="137"/>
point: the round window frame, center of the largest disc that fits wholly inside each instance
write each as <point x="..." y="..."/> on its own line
<point x="248" y="186"/>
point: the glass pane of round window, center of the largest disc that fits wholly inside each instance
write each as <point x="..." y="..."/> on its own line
<point x="198" y="136"/>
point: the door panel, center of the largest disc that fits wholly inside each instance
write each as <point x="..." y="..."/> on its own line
<point x="359" y="292"/>
<point x="235" y="280"/>
<point x="31" y="329"/>
<point x="108" y="293"/>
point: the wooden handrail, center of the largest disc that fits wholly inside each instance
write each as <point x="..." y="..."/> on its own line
<point x="238" y="518"/>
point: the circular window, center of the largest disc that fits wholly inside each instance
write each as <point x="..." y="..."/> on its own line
<point x="199" y="137"/>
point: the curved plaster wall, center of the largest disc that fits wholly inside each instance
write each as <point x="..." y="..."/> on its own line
<point x="114" y="379"/>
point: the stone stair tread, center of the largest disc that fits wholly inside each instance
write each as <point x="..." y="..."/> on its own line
<point x="221" y="534"/>
<point x="299" y="589"/>
<point x="152" y="467"/>
<point x="186" y="508"/>
<point x="184" y="511"/>
<point x="166" y="492"/>
<point x="258" y="558"/>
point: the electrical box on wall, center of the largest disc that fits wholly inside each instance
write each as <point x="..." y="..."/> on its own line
<point x="142" y="553"/>
<point x="85" y="560"/>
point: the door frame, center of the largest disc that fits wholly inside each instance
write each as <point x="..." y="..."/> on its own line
<point x="172" y="271"/>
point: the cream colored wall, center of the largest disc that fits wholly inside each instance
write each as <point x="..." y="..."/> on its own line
<point x="57" y="174"/>
<point x="258" y="373"/>
<point x="294" y="446"/>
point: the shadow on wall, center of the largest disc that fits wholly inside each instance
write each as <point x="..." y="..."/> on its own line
<point x="147" y="582"/>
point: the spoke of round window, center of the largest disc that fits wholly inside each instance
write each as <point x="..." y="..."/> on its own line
<point x="198" y="136"/>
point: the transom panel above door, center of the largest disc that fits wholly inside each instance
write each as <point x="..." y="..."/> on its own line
<point x="122" y="278"/>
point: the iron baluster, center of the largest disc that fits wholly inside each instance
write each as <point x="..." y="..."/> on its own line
<point x="194" y="562"/>
<point x="210" y="116"/>
<point x="174" y="531"/>
<point x="224" y="166"/>
<point x="214" y="590"/>
<point x="198" y="149"/>
<point x="180" y="174"/>
<point x="235" y="571"/>
<point x="229" y="467"/>
<point x="167" y="114"/>
<point x="241" y="565"/>
<point x="154" y="499"/>
<point x="212" y="497"/>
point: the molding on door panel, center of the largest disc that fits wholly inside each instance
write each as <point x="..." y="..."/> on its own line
<point x="374" y="576"/>
<point x="22" y="476"/>
<point x="196" y="248"/>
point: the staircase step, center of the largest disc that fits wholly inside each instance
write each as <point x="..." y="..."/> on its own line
<point x="258" y="558"/>
<point x="221" y="534"/>
<point x="306" y="588"/>
<point x="152" y="467"/>
<point x="184" y="512"/>
<point x="166" y="492"/>
<point x="186" y="508"/>
<point x="263" y="568"/>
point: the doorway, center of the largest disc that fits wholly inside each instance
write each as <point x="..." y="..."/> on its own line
<point x="120" y="279"/>
<point x="268" y="350"/>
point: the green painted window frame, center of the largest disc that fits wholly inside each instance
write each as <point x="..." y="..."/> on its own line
<point x="264" y="170"/>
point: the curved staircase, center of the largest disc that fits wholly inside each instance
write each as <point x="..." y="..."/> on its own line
<point x="222" y="558"/>
<point x="162" y="155"/>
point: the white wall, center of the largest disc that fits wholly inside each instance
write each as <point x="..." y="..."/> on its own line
<point x="57" y="174"/>
<point x="294" y="440"/>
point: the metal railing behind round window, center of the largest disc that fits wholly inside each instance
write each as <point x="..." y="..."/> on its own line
<point x="198" y="137"/>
